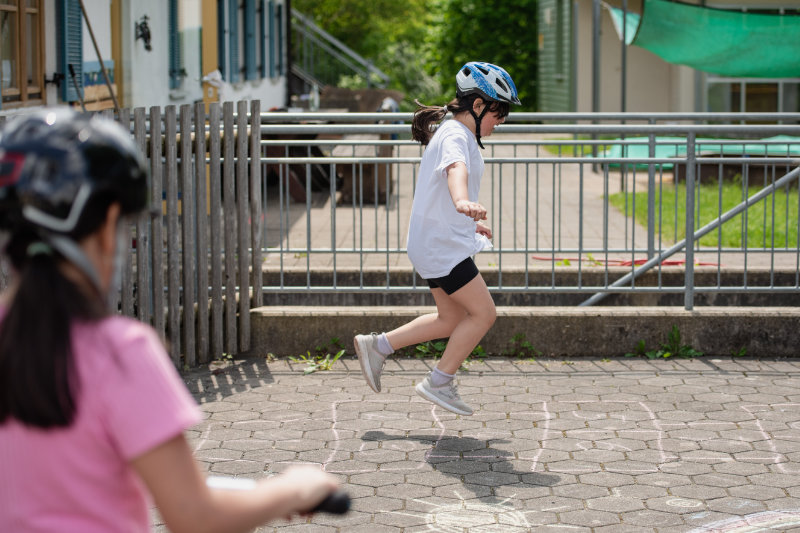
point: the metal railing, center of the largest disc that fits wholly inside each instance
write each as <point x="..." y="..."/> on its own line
<point x="319" y="58"/>
<point x="315" y="208"/>
<point x="549" y="206"/>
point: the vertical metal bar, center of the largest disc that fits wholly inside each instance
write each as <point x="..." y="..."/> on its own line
<point x="257" y="222"/>
<point x="308" y="225"/>
<point x="719" y="228"/>
<point x="217" y="237"/>
<point x="228" y="177"/>
<point x="746" y="222"/>
<point x="633" y="224"/>
<point x="157" y="226"/>
<point x="624" y="80"/>
<point x="606" y="206"/>
<point x="143" y="242"/>
<point x="553" y="229"/>
<point x="188" y="252"/>
<point x="527" y="249"/>
<point x="173" y="255"/>
<point x="500" y="225"/>
<point x="243" y="210"/>
<point x="581" y="220"/>
<point x="201" y="213"/>
<point x="332" y="183"/>
<point x="596" y="21"/>
<point x="689" y="266"/>
<point x="651" y="200"/>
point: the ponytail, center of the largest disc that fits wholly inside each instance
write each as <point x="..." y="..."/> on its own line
<point x="425" y="116"/>
<point x="39" y="383"/>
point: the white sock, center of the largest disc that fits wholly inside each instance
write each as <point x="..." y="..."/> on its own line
<point x="439" y="378"/>
<point x="383" y="345"/>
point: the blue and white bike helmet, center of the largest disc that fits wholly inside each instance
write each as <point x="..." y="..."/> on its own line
<point x="489" y="81"/>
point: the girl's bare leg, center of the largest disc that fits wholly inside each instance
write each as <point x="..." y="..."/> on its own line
<point x="464" y="316"/>
<point x="437" y="325"/>
<point x="475" y="300"/>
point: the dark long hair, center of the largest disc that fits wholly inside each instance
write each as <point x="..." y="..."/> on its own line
<point x="38" y="379"/>
<point x="425" y="116"/>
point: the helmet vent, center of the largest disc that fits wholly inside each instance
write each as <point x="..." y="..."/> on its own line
<point x="501" y="84"/>
<point x="484" y="70"/>
<point x="466" y="71"/>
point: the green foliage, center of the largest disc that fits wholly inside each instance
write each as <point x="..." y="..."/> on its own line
<point x="502" y="32"/>
<point x="741" y="352"/>
<point x="521" y="348"/>
<point x="421" y="44"/>
<point x="322" y="358"/>
<point x="671" y="348"/>
<point x="670" y="204"/>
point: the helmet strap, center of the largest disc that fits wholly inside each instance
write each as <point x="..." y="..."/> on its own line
<point x="478" y="119"/>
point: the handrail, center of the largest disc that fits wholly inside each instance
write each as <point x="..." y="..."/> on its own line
<point x="334" y="46"/>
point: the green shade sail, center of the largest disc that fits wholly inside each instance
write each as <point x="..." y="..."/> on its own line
<point x="723" y="42"/>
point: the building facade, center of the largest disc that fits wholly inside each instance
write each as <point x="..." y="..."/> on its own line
<point x="584" y="66"/>
<point x="153" y="52"/>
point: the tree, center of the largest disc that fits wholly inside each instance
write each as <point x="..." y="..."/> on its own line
<point x="421" y="44"/>
<point x="502" y="32"/>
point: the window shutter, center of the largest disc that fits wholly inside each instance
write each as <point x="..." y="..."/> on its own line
<point x="70" y="51"/>
<point x="279" y="40"/>
<point x="222" y="39"/>
<point x="175" y="67"/>
<point x="250" y="39"/>
<point x="271" y="23"/>
<point x="233" y="41"/>
<point x="262" y="38"/>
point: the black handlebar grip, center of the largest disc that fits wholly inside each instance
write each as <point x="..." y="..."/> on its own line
<point x="335" y="503"/>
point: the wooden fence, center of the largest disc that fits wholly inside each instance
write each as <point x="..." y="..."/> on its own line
<point x="193" y="253"/>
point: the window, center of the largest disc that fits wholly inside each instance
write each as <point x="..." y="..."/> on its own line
<point x="21" y="49"/>
<point x="250" y="39"/>
<point x="753" y="95"/>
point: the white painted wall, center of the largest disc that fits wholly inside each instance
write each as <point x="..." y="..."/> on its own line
<point x="99" y="12"/>
<point x="652" y="84"/>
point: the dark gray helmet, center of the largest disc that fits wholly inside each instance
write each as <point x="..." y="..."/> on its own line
<point x="54" y="161"/>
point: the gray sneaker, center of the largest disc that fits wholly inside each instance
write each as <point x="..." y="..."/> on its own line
<point x="370" y="359"/>
<point x="445" y="396"/>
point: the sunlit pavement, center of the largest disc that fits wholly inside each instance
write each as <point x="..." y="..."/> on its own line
<point x="554" y="445"/>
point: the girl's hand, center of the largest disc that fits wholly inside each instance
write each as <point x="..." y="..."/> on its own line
<point x="308" y="485"/>
<point x="473" y="210"/>
<point x="483" y="230"/>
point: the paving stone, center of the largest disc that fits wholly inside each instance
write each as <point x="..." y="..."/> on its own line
<point x="618" y="446"/>
<point x="589" y="518"/>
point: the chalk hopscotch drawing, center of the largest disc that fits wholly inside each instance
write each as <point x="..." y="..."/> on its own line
<point x="604" y="429"/>
<point x="764" y="521"/>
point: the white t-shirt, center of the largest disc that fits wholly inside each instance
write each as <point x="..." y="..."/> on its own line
<point x="439" y="237"/>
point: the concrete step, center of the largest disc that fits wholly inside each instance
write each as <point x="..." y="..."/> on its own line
<point x="553" y="331"/>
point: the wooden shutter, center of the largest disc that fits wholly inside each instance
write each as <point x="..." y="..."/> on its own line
<point x="233" y="40"/>
<point x="175" y="63"/>
<point x="250" y="67"/>
<point x="70" y="50"/>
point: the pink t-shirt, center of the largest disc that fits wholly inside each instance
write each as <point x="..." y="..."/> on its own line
<point x="79" y="478"/>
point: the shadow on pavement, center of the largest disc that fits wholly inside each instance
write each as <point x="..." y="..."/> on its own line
<point x="482" y="467"/>
<point x="216" y="381"/>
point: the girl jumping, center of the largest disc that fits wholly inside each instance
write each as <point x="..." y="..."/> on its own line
<point x="446" y="230"/>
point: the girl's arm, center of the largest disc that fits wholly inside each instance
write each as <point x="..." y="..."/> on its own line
<point x="457" y="184"/>
<point x="188" y="505"/>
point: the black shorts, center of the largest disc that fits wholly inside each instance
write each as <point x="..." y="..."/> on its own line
<point x="462" y="273"/>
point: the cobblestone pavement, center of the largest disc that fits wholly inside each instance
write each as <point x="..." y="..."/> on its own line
<point x="587" y="445"/>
